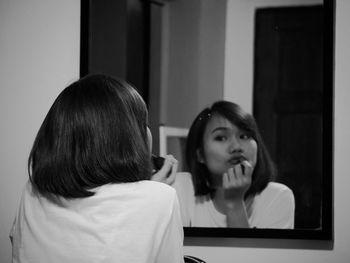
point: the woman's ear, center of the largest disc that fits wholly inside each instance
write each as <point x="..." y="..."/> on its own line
<point x="199" y="154"/>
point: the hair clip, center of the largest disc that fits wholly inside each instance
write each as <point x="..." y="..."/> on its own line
<point x="207" y="116"/>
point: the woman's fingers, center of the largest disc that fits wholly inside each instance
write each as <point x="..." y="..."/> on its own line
<point x="240" y="174"/>
<point x="237" y="180"/>
<point x="168" y="171"/>
<point x="225" y="180"/>
<point x="174" y="165"/>
<point x="247" y="168"/>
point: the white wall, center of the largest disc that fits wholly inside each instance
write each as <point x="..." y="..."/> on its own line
<point x="195" y="58"/>
<point x="39" y="51"/>
<point x="39" y="56"/>
<point x="239" y="47"/>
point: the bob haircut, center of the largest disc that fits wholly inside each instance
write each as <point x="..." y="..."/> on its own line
<point x="94" y="134"/>
<point x="264" y="171"/>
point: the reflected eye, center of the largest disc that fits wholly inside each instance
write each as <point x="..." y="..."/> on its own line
<point x="245" y="136"/>
<point x="220" y="138"/>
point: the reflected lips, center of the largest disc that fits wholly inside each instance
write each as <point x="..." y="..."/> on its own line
<point x="238" y="160"/>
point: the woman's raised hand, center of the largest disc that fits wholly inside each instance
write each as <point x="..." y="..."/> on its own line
<point x="168" y="171"/>
<point x="237" y="181"/>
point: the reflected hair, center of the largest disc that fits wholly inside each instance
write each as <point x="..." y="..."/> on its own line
<point x="94" y="134"/>
<point x="264" y="171"/>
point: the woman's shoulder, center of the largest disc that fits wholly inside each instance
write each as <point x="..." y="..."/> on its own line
<point x="185" y="193"/>
<point x="273" y="207"/>
<point x="183" y="184"/>
<point x="277" y="187"/>
<point x="276" y="190"/>
<point x="157" y="187"/>
<point x="183" y="178"/>
<point x="145" y="189"/>
<point x="160" y="193"/>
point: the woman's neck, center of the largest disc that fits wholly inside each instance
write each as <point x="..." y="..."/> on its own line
<point x="219" y="201"/>
<point x="218" y="198"/>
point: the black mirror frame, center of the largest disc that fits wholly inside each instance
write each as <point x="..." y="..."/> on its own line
<point x="326" y="231"/>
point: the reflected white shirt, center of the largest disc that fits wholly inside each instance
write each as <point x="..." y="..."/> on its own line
<point x="272" y="208"/>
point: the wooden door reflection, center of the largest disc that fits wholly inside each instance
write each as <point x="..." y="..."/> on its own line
<point x="288" y="101"/>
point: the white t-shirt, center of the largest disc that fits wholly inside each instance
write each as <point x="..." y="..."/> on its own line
<point x="131" y="222"/>
<point x="272" y="208"/>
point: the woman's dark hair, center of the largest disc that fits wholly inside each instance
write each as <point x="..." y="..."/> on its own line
<point x="264" y="171"/>
<point x="94" y="134"/>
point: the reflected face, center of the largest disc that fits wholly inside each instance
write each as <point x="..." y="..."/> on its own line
<point x="224" y="146"/>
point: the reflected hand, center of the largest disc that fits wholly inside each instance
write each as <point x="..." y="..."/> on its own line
<point x="168" y="171"/>
<point x="237" y="181"/>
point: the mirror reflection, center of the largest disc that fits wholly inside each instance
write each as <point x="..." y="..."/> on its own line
<point x="265" y="57"/>
<point x="231" y="181"/>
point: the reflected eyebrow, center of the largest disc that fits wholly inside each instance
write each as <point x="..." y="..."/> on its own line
<point x="219" y="129"/>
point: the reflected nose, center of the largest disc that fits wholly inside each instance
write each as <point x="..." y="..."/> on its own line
<point x="235" y="145"/>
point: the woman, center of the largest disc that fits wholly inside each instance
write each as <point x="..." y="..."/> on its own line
<point x="232" y="174"/>
<point x="90" y="197"/>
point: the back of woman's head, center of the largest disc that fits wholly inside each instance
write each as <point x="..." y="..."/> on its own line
<point x="264" y="170"/>
<point x="94" y="134"/>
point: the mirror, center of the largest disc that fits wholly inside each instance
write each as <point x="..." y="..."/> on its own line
<point x="273" y="58"/>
